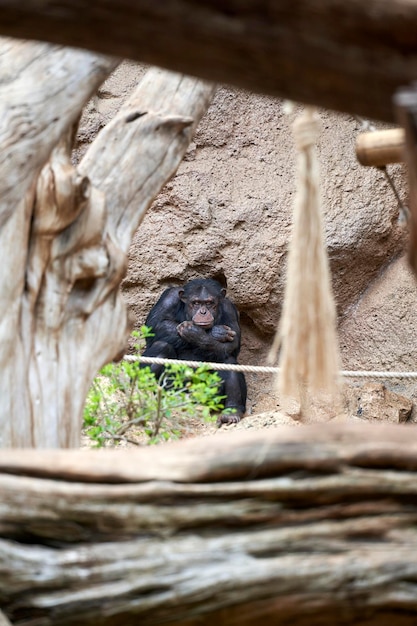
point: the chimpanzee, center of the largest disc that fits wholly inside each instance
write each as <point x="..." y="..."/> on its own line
<point x="197" y="322"/>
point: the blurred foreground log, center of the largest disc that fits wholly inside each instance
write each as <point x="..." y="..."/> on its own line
<point x="345" y="55"/>
<point x="290" y="526"/>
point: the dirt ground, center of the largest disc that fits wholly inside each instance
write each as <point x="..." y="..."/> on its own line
<point x="194" y="427"/>
<point x="369" y="401"/>
<point x="262" y="412"/>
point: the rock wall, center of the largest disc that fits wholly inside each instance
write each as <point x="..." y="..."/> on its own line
<point x="227" y="214"/>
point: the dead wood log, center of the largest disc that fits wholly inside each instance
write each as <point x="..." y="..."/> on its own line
<point x="293" y="526"/>
<point x="345" y="55"/>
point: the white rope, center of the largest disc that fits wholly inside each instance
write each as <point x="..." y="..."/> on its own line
<point x="262" y="368"/>
<point x="217" y="366"/>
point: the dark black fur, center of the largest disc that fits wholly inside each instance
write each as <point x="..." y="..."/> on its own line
<point x="219" y="343"/>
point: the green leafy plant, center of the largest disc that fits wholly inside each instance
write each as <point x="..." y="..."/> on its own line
<point x="126" y="398"/>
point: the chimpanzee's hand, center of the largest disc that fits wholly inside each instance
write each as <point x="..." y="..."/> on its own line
<point x="189" y="332"/>
<point x="223" y="333"/>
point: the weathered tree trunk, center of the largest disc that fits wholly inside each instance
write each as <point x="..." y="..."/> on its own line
<point x="349" y="55"/>
<point x="65" y="232"/>
<point x="42" y="91"/>
<point x="299" y="526"/>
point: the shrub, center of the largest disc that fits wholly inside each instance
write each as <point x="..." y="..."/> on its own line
<point x="126" y="398"/>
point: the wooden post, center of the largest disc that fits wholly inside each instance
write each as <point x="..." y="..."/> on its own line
<point x="381" y="147"/>
<point x="406" y="105"/>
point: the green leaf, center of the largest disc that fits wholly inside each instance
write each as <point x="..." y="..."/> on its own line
<point x="126" y="396"/>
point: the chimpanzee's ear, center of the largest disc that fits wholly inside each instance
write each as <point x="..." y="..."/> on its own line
<point x="223" y="292"/>
<point x="181" y="295"/>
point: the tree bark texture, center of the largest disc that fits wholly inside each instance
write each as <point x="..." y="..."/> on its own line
<point x="292" y="526"/>
<point x="65" y="231"/>
<point x="348" y="55"/>
<point x="42" y="91"/>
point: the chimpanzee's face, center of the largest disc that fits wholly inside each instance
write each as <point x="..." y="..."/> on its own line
<point x="201" y="307"/>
